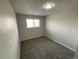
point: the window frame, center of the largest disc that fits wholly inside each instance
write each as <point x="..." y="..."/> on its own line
<point x="33" y="23"/>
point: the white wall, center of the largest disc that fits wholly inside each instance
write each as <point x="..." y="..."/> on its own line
<point x="62" y="27"/>
<point x="30" y="33"/>
<point x="8" y="32"/>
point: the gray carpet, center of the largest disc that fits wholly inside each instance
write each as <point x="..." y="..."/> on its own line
<point x="44" y="48"/>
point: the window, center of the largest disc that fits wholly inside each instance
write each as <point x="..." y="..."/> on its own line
<point x="31" y="23"/>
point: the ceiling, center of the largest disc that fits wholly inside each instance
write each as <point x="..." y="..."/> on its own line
<point x="34" y="7"/>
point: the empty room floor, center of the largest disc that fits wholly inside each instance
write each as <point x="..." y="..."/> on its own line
<point x="44" y="48"/>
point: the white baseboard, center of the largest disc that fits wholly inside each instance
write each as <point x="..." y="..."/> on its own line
<point x="31" y="38"/>
<point x="55" y="41"/>
<point x="62" y="44"/>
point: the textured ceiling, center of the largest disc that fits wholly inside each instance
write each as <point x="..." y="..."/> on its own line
<point x="34" y="7"/>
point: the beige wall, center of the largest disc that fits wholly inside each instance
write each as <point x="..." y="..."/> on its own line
<point x="62" y="27"/>
<point x="26" y="33"/>
<point x="8" y="32"/>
